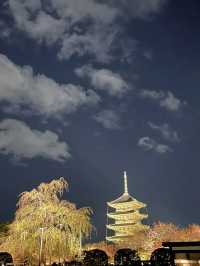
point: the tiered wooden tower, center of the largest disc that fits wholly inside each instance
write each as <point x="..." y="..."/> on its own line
<point x="126" y="216"/>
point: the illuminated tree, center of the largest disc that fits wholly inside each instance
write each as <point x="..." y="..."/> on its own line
<point x="158" y="233"/>
<point x="46" y="226"/>
<point x="164" y="232"/>
<point x="4" y="227"/>
<point x="146" y="242"/>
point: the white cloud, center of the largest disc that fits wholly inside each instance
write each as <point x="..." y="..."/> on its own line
<point x="150" y="144"/>
<point x="170" y="102"/>
<point x="21" y="142"/>
<point x="152" y="94"/>
<point x="21" y="89"/>
<point x="104" y="79"/>
<point x="108" y="119"/>
<point x="166" y="131"/>
<point x="166" y="100"/>
<point x="35" y="22"/>
<point x="79" y="27"/>
<point x="96" y="41"/>
<point x="5" y="30"/>
<point x="142" y="8"/>
<point x="79" y="10"/>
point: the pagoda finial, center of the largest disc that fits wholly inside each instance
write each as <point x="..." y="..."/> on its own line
<point x="125" y="183"/>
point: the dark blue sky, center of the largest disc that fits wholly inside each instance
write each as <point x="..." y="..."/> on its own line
<point x="89" y="89"/>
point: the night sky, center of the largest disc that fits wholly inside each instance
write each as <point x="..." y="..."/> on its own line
<point x="91" y="88"/>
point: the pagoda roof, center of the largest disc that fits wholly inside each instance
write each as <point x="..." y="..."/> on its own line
<point x="127" y="215"/>
<point x="118" y="238"/>
<point x="116" y="213"/>
<point x="124" y="199"/>
<point x="122" y="224"/>
<point x="126" y="225"/>
<point x="119" y="225"/>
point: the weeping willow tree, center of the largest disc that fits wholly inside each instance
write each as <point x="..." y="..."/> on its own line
<point x="4" y="228"/>
<point x="47" y="227"/>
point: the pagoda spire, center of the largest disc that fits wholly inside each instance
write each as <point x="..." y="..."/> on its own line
<point x="125" y="183"/>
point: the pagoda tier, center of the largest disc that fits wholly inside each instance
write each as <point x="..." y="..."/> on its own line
<point x="126" y="228"/>
<point x="117" y="239"/>
<point x="126" y="216"/>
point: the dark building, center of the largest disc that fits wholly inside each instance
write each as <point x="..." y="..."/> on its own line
<point x="184" y="253"/>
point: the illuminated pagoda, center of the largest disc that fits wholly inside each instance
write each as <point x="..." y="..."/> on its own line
<point x="126" y="216"/>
